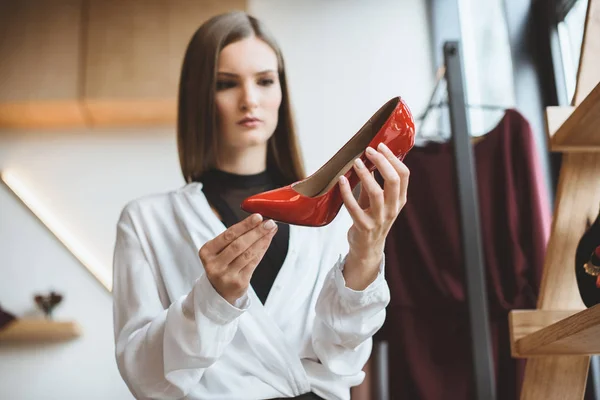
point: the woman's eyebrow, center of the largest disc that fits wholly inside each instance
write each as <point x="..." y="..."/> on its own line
<point x="231" y="74"/>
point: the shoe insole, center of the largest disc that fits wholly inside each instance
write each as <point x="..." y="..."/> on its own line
<point x="327" y="176"/>
<point x="337" y="176"/>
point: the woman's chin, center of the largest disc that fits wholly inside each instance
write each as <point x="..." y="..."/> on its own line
<point x="253" y="137"/>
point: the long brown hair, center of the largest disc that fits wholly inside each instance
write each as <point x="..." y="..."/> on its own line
<point x="197" y="120"/>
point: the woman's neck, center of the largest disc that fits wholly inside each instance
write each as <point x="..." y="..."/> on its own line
<point x="248" y="161"/>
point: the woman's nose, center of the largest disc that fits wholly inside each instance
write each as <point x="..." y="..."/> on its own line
<point x="249" y="99"/>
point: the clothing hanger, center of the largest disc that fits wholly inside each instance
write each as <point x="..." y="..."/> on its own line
<point x="488" y="107"/>
<point x="439" y="79"/>
<point x="440" y="87"/>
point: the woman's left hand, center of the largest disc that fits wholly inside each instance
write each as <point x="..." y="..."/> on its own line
<point x="373" y="214"/>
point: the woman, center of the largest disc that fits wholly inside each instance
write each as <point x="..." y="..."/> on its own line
<point x="212" y="303"/>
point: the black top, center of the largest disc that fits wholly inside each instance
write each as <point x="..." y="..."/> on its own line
<point x="225" y="192"/>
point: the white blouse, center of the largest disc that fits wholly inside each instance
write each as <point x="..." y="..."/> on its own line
<point x="176" y="337"/>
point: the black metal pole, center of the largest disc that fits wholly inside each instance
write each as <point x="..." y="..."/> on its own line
<point x="484" y="378"/>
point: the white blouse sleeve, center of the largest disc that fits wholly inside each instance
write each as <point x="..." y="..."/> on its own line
<point x="346" y="320"/>
<point x="163" y="352"/>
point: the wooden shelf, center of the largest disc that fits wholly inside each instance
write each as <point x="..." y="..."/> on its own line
<point x="555" y="117"/>
<point x="558" y="344"/>
<point x="39" y="330"/>
<point x="573" y="129"/>
<point x="545" y="333"/>
<point x="131" y="112"/>
<point x="49" y="114"/>
<point x="84" y="114"/>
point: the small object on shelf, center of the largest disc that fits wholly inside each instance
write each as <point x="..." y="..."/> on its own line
<point x="587" y="271"/>
<point x="592" y="267"/>
<point x="47" y="303"/>
<point x="39" y="330"/>
<point x="5" y="318"/>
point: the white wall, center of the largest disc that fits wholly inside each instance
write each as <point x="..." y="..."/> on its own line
<point x="34" y="261"/>
<point x="344" y="59"/>
<point x="84" y="178"/>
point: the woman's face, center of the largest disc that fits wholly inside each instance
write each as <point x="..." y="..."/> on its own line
<point x="248" y="93"/>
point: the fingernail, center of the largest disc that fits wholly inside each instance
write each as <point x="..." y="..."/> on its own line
<point x="358" y="162"/>
<point x="383" y="147"/>
<point x="256" y="218"/>
<point x="343" y="180"/>
<point x="371" y="150"/>
<point x="270" y="224"/>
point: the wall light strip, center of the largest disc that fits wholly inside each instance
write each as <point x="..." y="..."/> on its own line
<point x="48" y="218"/>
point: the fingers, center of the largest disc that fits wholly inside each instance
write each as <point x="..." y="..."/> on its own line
<point x="391" y="187"/>
<point x="241" y="245"/>
<point x="249" y="260"/>
<point x="383" y="202"/>
<point x="354" y="209"/>
<point x="219" y="243"/>
<point x="370" y="185"/>
<point x="241" y="250"/>
<point x="401" y="170"/>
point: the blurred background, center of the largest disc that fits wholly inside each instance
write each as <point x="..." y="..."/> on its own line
<point x="87" y="123"/>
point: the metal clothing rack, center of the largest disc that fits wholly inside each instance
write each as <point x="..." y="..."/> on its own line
<point x="484" y="378"/>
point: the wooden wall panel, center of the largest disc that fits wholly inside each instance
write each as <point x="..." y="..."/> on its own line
<point x="135" y="48"/>
<point x="40" y="63"/>
<point x="39" y="49"/>
<point x="126" y="49"/>
<point x="75" y="63"/>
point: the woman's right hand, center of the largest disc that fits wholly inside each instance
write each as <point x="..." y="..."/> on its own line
<point x="230" y="259"/>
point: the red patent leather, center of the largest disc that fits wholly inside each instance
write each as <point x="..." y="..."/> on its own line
<point x="288" y="206"/>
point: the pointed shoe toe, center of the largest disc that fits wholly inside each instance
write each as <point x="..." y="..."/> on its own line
<point x="288" y="206"/>
<point x="316" y="200"/>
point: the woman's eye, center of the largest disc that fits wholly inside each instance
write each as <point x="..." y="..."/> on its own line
<point x="266" y="82"/>
<point x="222" y="85"/>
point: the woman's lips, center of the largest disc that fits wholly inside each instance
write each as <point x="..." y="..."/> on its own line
<point x="250" y="122"/>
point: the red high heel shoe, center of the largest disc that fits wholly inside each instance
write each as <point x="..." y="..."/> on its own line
<point x="316" y="200"/>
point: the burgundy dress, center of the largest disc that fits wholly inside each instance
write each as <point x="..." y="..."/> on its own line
<point x="427" y="324"/>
